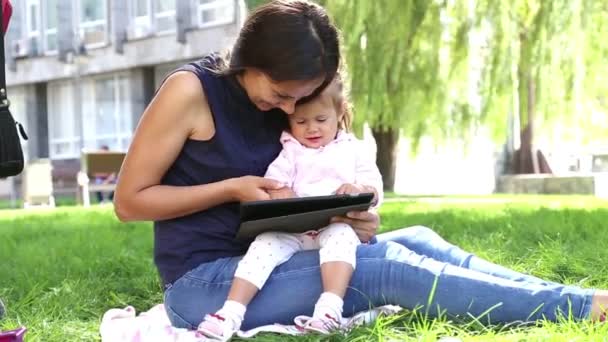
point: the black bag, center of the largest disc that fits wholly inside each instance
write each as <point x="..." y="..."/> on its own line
<point x="11" y="154"/>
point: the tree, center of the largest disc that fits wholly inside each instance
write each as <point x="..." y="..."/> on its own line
<point x="408" y="70"/>
<point x="414" y="65"/>
<point x="538" y="55"/>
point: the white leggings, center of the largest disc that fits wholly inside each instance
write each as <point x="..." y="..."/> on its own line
<point x="336" y="242"/>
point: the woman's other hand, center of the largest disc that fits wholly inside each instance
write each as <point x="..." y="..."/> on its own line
<point x="252" y="188"/>
<point x="284" y="193"/>
<point x="365" y="223"/>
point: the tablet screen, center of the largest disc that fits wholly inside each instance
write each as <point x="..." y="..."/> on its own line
<point x="257" y="210"/>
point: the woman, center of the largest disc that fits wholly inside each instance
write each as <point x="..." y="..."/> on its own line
<point x="208" y="136"/>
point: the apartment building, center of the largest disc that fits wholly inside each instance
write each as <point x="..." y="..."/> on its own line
<point x="80" y="72"/>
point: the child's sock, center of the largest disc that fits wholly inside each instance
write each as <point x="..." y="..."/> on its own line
<point x="329" y="304"/>
<point x="234" y="311"/>
<point x="225" y="322"/>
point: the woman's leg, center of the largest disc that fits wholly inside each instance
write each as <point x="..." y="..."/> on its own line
<point x="424" y="241"/>
<point x="387" y="273"/>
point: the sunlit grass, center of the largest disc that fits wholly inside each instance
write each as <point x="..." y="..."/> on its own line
<point x="62" y="269"/>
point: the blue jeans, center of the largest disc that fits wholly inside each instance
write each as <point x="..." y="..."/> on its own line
<point x="403" y="267"/>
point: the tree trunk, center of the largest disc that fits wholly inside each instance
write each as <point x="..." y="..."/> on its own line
<point x="526" y="159"/>
<point x="386" y="157"/>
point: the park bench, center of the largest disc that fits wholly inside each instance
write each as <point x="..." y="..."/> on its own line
<point x="95" y="162"/>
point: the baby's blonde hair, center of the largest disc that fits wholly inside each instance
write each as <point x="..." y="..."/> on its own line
<point x="338" y="93"/>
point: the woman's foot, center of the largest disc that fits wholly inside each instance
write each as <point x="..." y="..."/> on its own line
<point x="599" y="306"/>
<point x="218" y="327"/>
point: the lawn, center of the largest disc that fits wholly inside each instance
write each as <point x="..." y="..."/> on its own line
<point x="62" y="269"/>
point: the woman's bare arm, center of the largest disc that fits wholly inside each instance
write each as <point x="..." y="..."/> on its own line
<point x="174" y="115"/>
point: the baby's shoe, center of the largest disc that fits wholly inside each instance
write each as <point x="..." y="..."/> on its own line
<point x="218" y="327"/>
<point x="325" y="325"/>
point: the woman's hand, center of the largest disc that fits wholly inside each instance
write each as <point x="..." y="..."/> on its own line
<point x="284" y="193"/>
<point x="252" y="188"/>
<point x="364" y="223"/>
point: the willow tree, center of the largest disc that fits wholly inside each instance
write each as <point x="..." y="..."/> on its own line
<point x="440" y="68"/>
<point x="546" y="63"/>
<point x="407" y="66"/>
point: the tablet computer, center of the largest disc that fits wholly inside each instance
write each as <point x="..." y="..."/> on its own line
<point x="297" y="215"/>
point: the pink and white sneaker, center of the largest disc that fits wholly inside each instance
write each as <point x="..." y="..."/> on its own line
<point x="323" y="325"/>
<point x="218" y="327"/>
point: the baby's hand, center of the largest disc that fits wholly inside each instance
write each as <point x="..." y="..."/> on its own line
<point x="351" y="189"/>
<point x="282" y="193"/>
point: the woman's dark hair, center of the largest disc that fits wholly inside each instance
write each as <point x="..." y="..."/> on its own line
<point x="288" y="40"/>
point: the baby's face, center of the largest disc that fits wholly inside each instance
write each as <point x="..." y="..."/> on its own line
<point x="315" y="123"/>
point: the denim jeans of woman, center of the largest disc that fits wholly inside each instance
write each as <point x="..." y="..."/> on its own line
<point x="411" y="267"/>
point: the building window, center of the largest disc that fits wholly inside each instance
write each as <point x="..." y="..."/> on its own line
<point x="50" y="26"/>
<point x="33" y="27"/>
<point x="40" y="28"/>
<point x="92" y="22"/>
<point x="215" y="12"/>
<point x="140" y="13"/>
<point x="151" y="16"/>
<point x="164" y="16"/>
<point x="107" y="116"/>
<point x="64" y="131"/>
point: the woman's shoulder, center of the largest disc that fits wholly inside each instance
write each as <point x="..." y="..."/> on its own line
<point x="208" y="66"/>
<point x="183" y="86"/>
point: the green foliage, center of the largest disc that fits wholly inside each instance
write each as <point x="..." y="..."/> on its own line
<point x="442" y="68"/>
<point x="251" y="4"/>
<point x="62" y="269"/>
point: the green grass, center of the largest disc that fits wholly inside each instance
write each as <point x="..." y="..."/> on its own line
<point x="60" y="201"/>
<point x="61" y="269"/>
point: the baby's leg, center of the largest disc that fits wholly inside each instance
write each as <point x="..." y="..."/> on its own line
<point x="264" y="254"/>
<point x="268" y="251"/>
<point x="338" y="256"/>
<point x="338" y="251"/>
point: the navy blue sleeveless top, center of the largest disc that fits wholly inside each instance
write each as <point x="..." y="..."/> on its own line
<point x="246" y="141"/>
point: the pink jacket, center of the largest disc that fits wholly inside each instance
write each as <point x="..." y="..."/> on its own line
<point x="317" y="172"/>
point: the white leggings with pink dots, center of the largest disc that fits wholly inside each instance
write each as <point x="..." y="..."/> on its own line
<point x="336" y="242"/>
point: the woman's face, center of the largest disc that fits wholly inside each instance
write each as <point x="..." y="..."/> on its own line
<point x="267" y="94"/>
